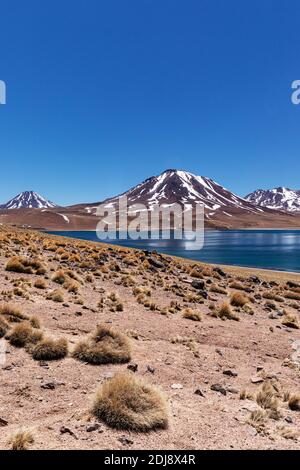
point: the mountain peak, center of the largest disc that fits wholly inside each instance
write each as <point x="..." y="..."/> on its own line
<point x="28" y="200"/>
<point x="281" y="198"/>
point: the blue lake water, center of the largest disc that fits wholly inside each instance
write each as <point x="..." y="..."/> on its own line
<point x="270" y="249"/>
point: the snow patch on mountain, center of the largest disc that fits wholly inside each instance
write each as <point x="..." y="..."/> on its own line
<point x="281" y="198"/>
<point x="28" y="200"/>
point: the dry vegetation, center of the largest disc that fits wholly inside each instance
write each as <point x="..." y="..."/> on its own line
<point x="75" y="315"/>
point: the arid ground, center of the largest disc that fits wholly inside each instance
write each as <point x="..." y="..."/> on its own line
<point x="221" y="344"/>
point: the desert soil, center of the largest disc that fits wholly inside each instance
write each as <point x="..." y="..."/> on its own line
<point x="202" y="374"/>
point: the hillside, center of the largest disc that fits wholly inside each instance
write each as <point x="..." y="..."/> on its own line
<point x="224" y="376"/>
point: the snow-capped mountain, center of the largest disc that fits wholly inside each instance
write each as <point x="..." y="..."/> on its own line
<point x="176" y="186"/>
<point x="28" y="200"/>
<point x="283" y="199"/>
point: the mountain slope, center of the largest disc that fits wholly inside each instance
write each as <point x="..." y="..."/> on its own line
<point x="28" y="200"/>
<point x="281" y="198"/>
<point x="176" y="186"/>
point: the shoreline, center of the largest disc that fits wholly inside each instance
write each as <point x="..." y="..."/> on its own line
<point x="265" y="273"/>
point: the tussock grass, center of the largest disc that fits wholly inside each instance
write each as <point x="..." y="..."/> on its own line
<point x="50" y="350"/>
<point x="238" y="299"/>
<point x="294" y="402"/>
<point x="56" y="296"/>
<point x="23" y="335"/>
<point x="40" y="284"/>
<point x="12" y="313"/>
<point x="217" y="289"/>
<point x="106" y="345"/>
<point x="128" y="403"/>
<point x="290" y="320"/>
<point x="21" y="440"/>
<point x="267" y="397"/>
<point x="19" y="264"/>
<point x="191" y="314"/>
<point x="225" y="312"/>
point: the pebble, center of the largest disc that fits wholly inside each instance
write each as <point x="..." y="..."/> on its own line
<point x="218" y="388"/>
<point x="176" y="386"/>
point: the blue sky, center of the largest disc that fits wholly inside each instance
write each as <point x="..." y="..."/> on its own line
<point x="102" y="94"/>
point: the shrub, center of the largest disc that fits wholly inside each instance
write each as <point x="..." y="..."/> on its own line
<point x="125" y="402"/>
<point x="290" y="320"/>
<point x="59" y="277"/>
<point x="56" y="296"/>
<point x="12" y="313"/>
<point x="24" y="265"/>
<point x="21" y="440"/>
<point x="50" y="349"/>
<point x="267" y="397"/>
<point x="225" y="312"/>
<point x="294" y="402"/>
<point x="23" y="334"/>
<point x="105" y="346"/>
<point x="238" y="299"/>
<point x="40" y="284"/>
<point x="191" y="314"/>
<point x="217" y="289"/>
<point x="3" y="328"/>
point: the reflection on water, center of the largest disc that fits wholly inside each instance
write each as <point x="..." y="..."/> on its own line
<point x="272" y="249"/>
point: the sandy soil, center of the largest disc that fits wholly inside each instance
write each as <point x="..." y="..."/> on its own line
<point x="234" y="355"/>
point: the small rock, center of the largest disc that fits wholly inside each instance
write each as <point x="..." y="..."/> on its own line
<point x="288" y="419"/>
<point x="151" y="369"/>
<point x="218" y="388"/>
<point x="232" y="390"/>
<point x="230" y="373"/>
<point x="198" y="284"/>
<point x="133" y="367"/>
<point x="65" y="430"/>
<point x="198" y="392"/>
<point x="176" y="386"/>
<point x="93" y="427"/>
<point x="3" y="422"/>
<point x="125" y="441"/>
<point x="219" y="352"/>
<point x="257" y="380"/>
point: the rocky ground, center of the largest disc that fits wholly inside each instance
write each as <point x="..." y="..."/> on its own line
<point x="230" y="374"/>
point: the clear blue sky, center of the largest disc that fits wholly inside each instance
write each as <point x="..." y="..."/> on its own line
<point x="102" y="94"/>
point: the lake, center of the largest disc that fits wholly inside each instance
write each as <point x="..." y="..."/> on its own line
<point x="270" y="249"/>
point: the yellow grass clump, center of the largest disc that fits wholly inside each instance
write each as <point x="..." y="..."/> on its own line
<point x="104" y="346"/>
<point x="125" y="402"/>
<point x="50" y="350"/>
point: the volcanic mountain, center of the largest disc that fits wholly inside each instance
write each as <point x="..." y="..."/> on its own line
<point x="28" y="200"/>
<point x="281" y="198"/>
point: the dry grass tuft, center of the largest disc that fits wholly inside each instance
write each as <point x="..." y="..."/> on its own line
<point x="290" y="320"/>
<point x="294" y="402"/>
<point x="11" y="313"/>
<point x="19" y="264"/>
<point x="105" y="346"/>
<point x="23" y="335"/>
<point x="40" y="284"/>
<point x="267" y="397"/>
<point x="125" y="402"/>
<point x="225" y="312"/>
<point x="50" y="350"/>
<point x="191" y="314"/>
<point x="56" y="295"/>
<point x="238" y="299"/>
<point x="21" y="440"/>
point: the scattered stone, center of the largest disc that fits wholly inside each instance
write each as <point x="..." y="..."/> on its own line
<point x="230" y="373"/>
<point x="3" y="422"/>
<point x="133" y="367"/>
<point x="51" y="385"/>
<point x="93" y="427"/>
<point x="176" y="386"/>
<point x="232" y="390"/>
<point x="125" y="441"/>
<point x="219" y="352"/>
<point x="66" y="430"/>
<point x="218" y="388"/>
<point x="198" y="392"/>
<point x="219" y="271"/>
<point x="257" y="380"/>
<point x="155" y="263"/>
<point x="150" y="369"/>
<point x="198" y="284"/>
<point x="288" y="419"/>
